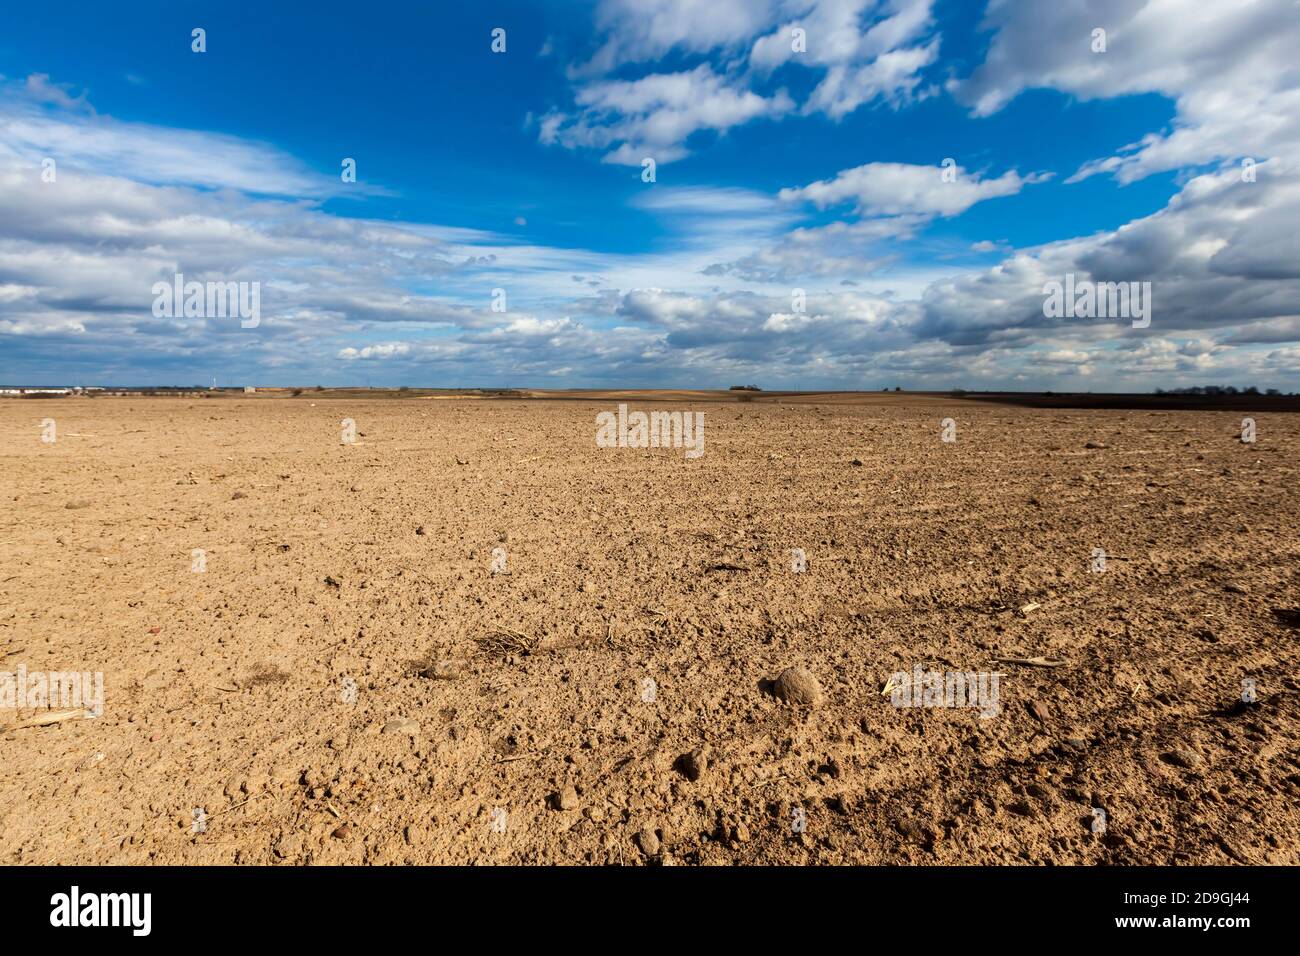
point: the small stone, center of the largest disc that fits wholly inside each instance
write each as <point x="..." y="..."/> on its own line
<point x="1233" y="588"/>
<point x="402" y="725"/>
<point x="648" y="841"/>
<point x="565" y="799"/>
<point x="355" y="488"/>
<point x="441" y="670"/>
<point x="797" y="685"/>
<point x="856" y="462"/>
<point x="76" y="505"/>
<point x="693" y="765"/>
<point x="1039" y="710"/>
<point x="1094" y="444"/>
<point x="1187" y="759"/>
<point x="420" y="530"/>
<point x="741" y="833"/>
<point x="341" y="831"/>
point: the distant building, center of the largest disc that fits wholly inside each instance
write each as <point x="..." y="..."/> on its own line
<point x="249" y="390"/>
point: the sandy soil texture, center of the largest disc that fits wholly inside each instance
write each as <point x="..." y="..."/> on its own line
<point x="472" y="636"/>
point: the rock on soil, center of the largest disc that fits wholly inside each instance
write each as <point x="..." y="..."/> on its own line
<point x="693" y="765"/>
<point x="648" y="841"/>
<point x="797" y="685"/>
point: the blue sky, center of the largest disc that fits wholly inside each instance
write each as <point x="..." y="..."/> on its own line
<point x="780" y="176"/>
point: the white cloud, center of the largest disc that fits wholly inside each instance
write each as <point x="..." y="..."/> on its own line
<point x="640" y="30"/>
<point x="865" y="50"/>
<point x="653" y="116"/>
<point x="894" y="189"/>
<point x="77" y="137"/>
<point x="381" y="351"/>
<point x="1229" y="66"/>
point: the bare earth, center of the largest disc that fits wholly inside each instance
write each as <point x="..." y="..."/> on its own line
<point x="478" y="698"/>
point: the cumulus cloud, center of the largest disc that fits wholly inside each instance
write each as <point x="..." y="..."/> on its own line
<point x="1210" y="256"/>
<point x="1228" y="65"/>
<point x="380" y="351"/>
<point x="894" y="201"/>
<point x="655" y="115"/>
<point x="863" y="51"/>
<point x="892" y="189"/>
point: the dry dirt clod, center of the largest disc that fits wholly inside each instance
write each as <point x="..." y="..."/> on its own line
<point x="1181" y="757"/>
<point x="441" y="670"/>
<point x="798" y="685"/>
<point x="1039" y="710"/>
<point x="693" y="765"/>
<point x="648" y="841"/>
<point x="565" y="799"/>
<point x="402" y="725"/>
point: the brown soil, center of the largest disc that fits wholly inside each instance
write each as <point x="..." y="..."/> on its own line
<point x="514" y="702"/>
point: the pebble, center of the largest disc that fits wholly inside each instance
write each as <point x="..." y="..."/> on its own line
<point x="797" y="685"/>
<point x="693" y="765"/>
<point x="648" y="841"/>
<point x="402" y="725"/>
<point x="1186" y="759"/>
<point x="1094" y="444"/>
<point x="566" y="799"/>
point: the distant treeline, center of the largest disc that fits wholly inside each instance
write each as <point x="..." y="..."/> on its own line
<point x="1216" y="390"/>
